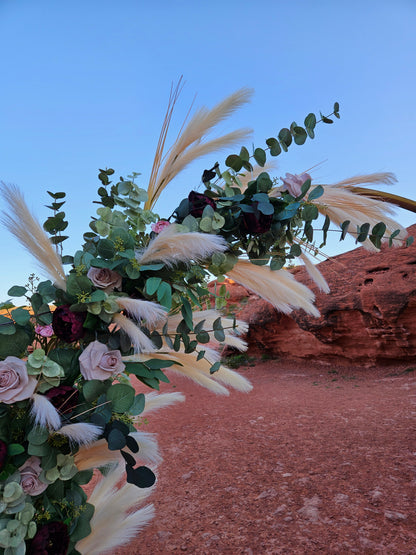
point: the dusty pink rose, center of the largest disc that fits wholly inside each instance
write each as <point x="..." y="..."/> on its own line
<point x="15" y="384"/>
<point x="160" y="226"/>
<point x="44" y="331"/>
<point x="104" y="278"/>
<point x="294" y="183"/>
<point x="97" y="363"/>
<point x="29" y="477"/>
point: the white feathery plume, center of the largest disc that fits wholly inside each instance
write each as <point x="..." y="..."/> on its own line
<point x="98" y="454"/>
<point x="189" y="144"/>
<point x="235" y="342"/>
<point x="187" y="366"/>
<point x="21" y="223"/>
<point x="156" y="401"/>
<point x="224" y="374"/>
<point x="199" y="371"/>
<point x="115" y="521"/>
<point x="141" y="310"/>
<point x="314" y="273"/>
<point x="341" y="204"/>
<point x="81" y="433"/>
<point x="140" y="341"/>
<point x="148" y="448"/>
<point x="44" y="413"/>
<point x="172" y="247"/>
<point x="382" y="178"/>
<point x="279" y="287"/>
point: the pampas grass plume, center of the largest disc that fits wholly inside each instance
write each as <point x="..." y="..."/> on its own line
<point x="44" y="413"/>
<point x="115" y="521"/>
<point x="172" y="247"/>
<point x="81" y="433"/>
<point x="21" y="223"/>
<point x="279" y="287"/>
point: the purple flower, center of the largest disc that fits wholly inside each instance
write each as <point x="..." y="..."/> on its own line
<point x="197" y="203"/>
<point x="15" y="383"/>
<point x="67" y="325"/>
<point x="29" y="476"/>
<point x="294" y="183"/>
<point x="44" y="331"/>
<point x="105" y="279"/>
<point x="256" y="222"/>
<point x="98" y="363"/>
<point x="51" y="539"/>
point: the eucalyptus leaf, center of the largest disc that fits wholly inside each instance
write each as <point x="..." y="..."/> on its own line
<point x="121" y="397"/>
<point x="152" y="285"/>
<point x="260" y="156"/>
<point x="316" y="193"/>
<point x="17" y="291"/>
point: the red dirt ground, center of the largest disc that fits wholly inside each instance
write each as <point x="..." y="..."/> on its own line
<point x="316" y="459"/>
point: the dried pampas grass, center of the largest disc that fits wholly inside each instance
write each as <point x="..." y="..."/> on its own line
<point x="199" y="371"/>
<point x="341" y="204"/>
<point x="116" y="521"/>
<point x="21" y="223"/>
<point x="189" y="144"/>
<point x="314" y="273"/>
<point x="172" y="247"/>
<point x="140" y="341"/>
<point x="139" y="310"/>
<point x="279" y="287"/>
<point x="98" y="454"/>
<point x="155" y="401"/>
<point x="80" y="433"/>
<point x="44" y="413"/>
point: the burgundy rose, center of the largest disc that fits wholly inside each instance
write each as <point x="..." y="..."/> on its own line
<point x="256" y="222"/>
<point x="67" y="325"/>
<point x="197" y="203"/>
<point x="3" y="454"/>
<point x="64" y="398"/>
<point x="51" y="539"/>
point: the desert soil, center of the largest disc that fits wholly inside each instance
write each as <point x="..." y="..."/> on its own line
<point x="316" y="459"/>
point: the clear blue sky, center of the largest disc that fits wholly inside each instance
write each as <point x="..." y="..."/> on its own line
<point x="84" y="84"/>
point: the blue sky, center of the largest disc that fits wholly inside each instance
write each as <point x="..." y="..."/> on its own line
<point x="84" y="84"/>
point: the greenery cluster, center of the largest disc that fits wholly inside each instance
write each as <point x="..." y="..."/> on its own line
<point x="54" y="329"/>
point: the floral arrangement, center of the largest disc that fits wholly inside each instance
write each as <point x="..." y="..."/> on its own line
<point x="134" y="306"/>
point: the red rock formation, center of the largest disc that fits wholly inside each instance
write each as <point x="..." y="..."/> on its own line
<point x="369" y="317"/>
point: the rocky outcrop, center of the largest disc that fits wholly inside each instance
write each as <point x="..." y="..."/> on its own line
<point x="369" y="317"/>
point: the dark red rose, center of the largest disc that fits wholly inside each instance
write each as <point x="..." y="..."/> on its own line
<point x="3" y="454"/>
<point x="67" y="325"/>
<point x="256" y="222"/>
<point x="50" y="539"/>
<point x="64" y="398"/>
<point x="197" y="203"/>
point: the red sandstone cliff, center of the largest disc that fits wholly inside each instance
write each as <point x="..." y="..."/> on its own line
<point x="369" y="317"/>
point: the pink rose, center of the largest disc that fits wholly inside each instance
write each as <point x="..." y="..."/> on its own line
<point x="44" y="331"/>
<point x="15" y="384"/>
<point x="294" y="183"/>
<point x="160" y="226"/>
<point x="97" y="363"/>
<point x="29" y="477"/>
<point x="104" y="278"/>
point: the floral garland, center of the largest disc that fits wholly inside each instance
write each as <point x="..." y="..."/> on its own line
<point x="134" y="304"/>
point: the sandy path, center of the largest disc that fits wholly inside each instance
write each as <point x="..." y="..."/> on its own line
<point x="314" y="460"/>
